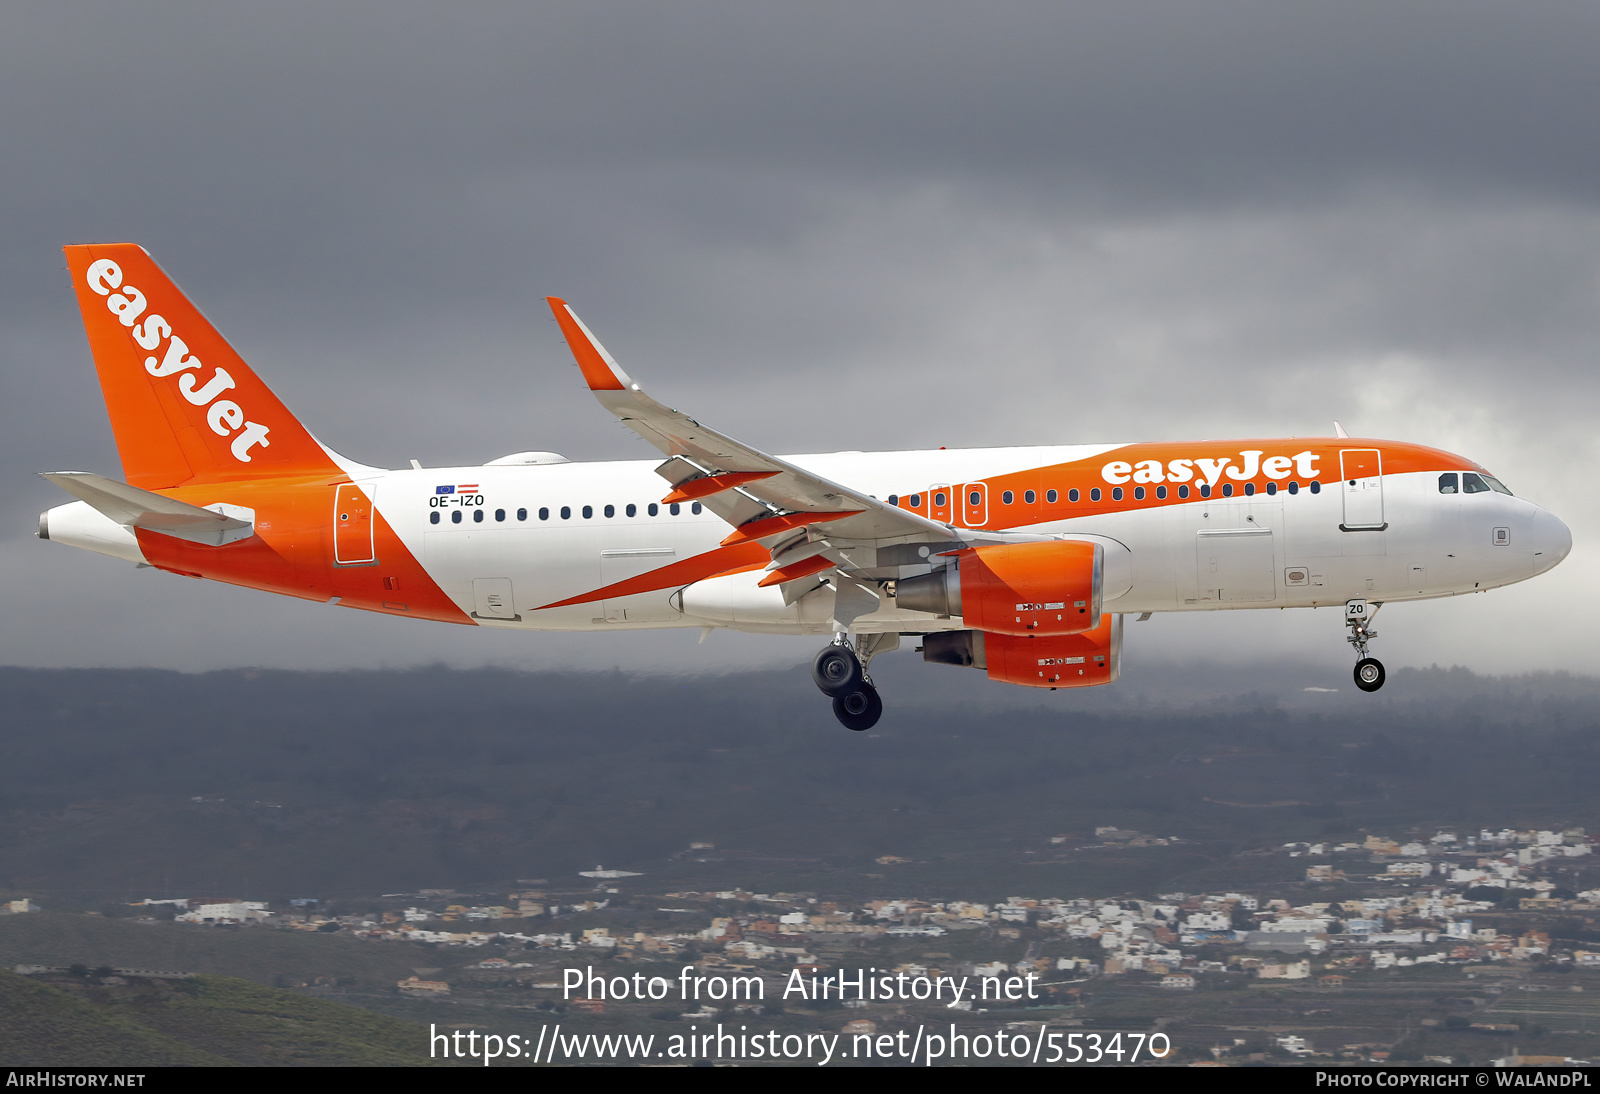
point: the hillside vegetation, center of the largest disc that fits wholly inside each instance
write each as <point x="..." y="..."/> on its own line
<point x="68" y="1021"/>
<point x="123" y="784"/>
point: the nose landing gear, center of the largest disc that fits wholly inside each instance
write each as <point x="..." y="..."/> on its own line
<point x="1369" y="674"/>
<point x="839" y="673"/>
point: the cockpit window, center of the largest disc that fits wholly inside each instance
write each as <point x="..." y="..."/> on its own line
<point x="1449" y="483"/>
<point x="1496" y="485"/>
<point x="1472" y="484"/>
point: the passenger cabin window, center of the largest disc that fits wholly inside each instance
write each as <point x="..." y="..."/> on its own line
<point x="588" y="512"/>
<point x="1138" y="493"/>
<point x="1029" y="496"/>
<point x="1094" y="495"/>
<point x="695" y="508"/>
<point x="1008" y="497"/>
<point x="1205" y="490"/>
<point x="939" y="499"/>
<point x="522" y="514"/>
<point x="455" y="516"/>
<point x="1073" y="495"/>
<point x="1116" y="493"/>
<point x="477" y="516"/>
<point x="1449" y="483"/>
<point x="499" y="514"/>
<point x="916" y="501"/>
<point x="1472" y="484"/>
<point x="1272" y="488"/>
<point x="653" y="509"/>
<point x="1183" y="491"/>
<point x="1051" y="496"/>
<point x="673" y="508"/>
<point x="433" y="517"/>
<point x="1227" y="489"/>
<point x="632" y="510"/>
<point x="611" y="510"/>
<point x="1161" y="492"/>
<point x="544" y="513"/>
<point x="566" y="512"/>
<point x="894" y="499"/>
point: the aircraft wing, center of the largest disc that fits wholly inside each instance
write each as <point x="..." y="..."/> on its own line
<point x="764" y="497"/>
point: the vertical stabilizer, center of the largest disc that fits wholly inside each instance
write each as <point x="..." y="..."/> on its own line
<point x="184" y="406"/>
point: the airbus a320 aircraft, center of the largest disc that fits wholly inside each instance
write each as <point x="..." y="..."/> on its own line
<point x="1020" y="562"/>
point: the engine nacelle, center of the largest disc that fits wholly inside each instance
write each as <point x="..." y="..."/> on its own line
<point x="1051" y="587"/>
<point x="1035" y="661"/>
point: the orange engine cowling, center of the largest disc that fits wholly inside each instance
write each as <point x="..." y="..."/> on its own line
<point x="1035" y="661"/>
<point x="1044" y="588"/>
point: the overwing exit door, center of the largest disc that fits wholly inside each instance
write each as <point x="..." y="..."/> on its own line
<point x="974" y="504"/>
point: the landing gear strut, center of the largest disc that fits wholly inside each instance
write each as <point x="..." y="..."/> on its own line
<point x="1369" y="672"/>
<point x="841" y="675"/>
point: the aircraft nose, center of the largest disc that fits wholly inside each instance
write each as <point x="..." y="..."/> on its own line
<point x="1552" y="541"/>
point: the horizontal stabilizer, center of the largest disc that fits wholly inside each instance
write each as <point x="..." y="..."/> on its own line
<point x="132" y="507"/>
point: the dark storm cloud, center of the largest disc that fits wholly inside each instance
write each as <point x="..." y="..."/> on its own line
<point x="938" y="224"/>
<point x="310" y="115"/>
<point x="1195" y="89"/>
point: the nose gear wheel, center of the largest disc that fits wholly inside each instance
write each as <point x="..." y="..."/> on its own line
<point x="1369" y="674"/>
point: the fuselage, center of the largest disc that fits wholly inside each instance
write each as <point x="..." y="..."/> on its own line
<point x="1020" y="562"/>
<point x="591" y="546"/>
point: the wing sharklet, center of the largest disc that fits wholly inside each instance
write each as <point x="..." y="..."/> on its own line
<point x="599" y="369"/>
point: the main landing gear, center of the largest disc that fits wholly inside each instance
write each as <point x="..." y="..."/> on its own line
<point x="840" y="674"/>
<point x="1369" y="672"/>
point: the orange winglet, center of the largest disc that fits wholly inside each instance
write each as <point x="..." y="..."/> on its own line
<point x="599" y="371"/>
<point x="766" y="526"/>
<point x="714" y="484"/>
<point x="804" y="568"/>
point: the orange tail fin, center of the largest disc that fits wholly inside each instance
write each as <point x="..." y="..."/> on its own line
<point x="184" y="406"/>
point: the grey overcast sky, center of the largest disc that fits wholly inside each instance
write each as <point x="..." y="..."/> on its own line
<point x="817" y="226"/>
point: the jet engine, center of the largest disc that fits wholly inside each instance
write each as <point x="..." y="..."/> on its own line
<point x="1038" y="661"/>
<point x="1051" y="587"/>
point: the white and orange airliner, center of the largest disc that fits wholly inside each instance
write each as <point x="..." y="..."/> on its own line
<point x="1017" y="561"/>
